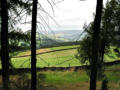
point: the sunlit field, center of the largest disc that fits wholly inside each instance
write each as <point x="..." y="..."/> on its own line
<point x="63" y="56"/>
<point x="59" y="57"/>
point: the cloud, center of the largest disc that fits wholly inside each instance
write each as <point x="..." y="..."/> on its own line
<point x="70" y="14"/>
<point x="74" y="13"/>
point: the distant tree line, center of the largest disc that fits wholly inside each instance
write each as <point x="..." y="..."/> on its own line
<point x="57" y="44"/>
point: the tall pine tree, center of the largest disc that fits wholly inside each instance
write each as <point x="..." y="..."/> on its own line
<point x="4" y="44"/>
<point x="33" y="46"/>
<point x="95" y="45"/>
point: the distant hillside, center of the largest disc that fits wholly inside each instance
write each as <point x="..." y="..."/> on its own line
<point x="65" y="35"/>
<point x="58" y="37"/>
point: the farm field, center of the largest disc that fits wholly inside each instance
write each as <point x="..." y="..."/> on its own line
<point x="59" y="57"/>
<point x="63" y="56"/>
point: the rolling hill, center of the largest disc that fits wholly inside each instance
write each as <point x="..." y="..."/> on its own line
<point x="52" y="38"/>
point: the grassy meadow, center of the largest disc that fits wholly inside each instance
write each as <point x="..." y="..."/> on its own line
<point x="66" y="80"/>
<point x="61" y="80"/>
<point x="61" y="58"/>
<point x="71" y="80"/>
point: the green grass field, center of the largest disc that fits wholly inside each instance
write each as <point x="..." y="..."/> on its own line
<point x="64" y="80"/>
<point x="63" y="58"/>
<point x="68" y="80"/>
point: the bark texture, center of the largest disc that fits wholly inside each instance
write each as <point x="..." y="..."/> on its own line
<point x="33" y="46"/>
<point x="4" y="44"/>
<point x="95" y="45"/>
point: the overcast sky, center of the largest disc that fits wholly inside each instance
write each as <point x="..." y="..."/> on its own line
<point x="71" y="14"/>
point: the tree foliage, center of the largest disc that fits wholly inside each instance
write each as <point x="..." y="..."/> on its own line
<point x="18" y="40"/>
<point x="109" y="32"/>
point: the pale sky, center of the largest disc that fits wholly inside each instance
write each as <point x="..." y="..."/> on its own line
<point x="70" y="14"/>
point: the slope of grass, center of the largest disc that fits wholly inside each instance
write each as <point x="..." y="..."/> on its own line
<point x="111" y="55"/>
<point x="27" y="52"/>
<point x="62" y="58"/>
<point x="64" y="47"/>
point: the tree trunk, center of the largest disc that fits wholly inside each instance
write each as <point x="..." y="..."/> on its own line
<point x="95" y="45"/>
<point x="33" y="46"/>
<point x="4" y="45"/>
<point x="102" y="51"/>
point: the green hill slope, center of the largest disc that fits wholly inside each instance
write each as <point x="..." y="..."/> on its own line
<point x="63" y="56"/>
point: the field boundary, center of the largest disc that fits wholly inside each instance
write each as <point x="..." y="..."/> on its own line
<point x="45" y="52"/>
<point x="74" y="68"/>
